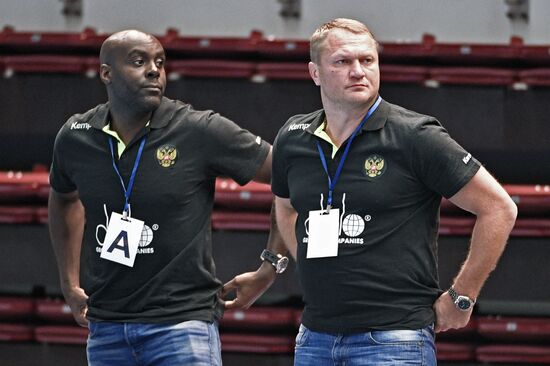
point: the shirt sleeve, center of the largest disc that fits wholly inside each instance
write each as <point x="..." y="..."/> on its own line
<point x="233" y="151"/>
<point x="279" y="182"/>
<point x="60" y="179"/>
<point x="439" y="161"/>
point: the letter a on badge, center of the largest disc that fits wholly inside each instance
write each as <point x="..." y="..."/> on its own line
<point x="122" y="239"/>
<point x="125" y="247"/>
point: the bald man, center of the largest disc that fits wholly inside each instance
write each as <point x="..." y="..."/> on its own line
<point x="129" y="211"/>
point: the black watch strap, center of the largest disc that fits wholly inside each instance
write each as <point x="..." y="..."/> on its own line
<point x="278" y="261"/>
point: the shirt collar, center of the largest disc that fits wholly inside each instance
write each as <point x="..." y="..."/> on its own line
<point x="376" y="121"/>
<point x="160" y="118"/>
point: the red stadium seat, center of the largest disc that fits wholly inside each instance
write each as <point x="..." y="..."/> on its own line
<point x="535" y="77"/>
<point x="43" y="64"/>
<point x="252" y="195"/>
<point x="210" y="68"/>
<point x="463" y="225"/>
<point x="18" y="215"/>
<point x="259" y="318"/>
<point x="257" y="343"/>
<point x="88" y="40"/>
<point x="403" y="74"/>
<point x="16" y="332"/>
<point x="471" y="76"/>
<point x="472" y="53"/>
<point x="229" y="47"/>
<point x="54" y="310"/>
<point x="296" y="49"/>
<point x="456" y="226"/>
<point x="407" y="51"/>
<point x="16" y="307"/>
<point x="65" y="334"/>
<point x="282" y="70"/>
<point x="451" y="351"/>
<point x="531" y="199"/>
<point x="23" y="186"/>
<point x="535" y="54"/>
<point x="247" y="221"/>
<point x="513" y="353"/>
<point x="514" y="328"/>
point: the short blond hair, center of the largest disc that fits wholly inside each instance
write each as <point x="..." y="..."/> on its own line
<point x="321" y="33"/>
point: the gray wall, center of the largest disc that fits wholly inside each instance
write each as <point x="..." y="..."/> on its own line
<point x="481" y="21"/>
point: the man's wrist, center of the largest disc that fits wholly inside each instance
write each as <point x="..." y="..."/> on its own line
<point x="277" y="261"/>
<point x="462" y="302"/>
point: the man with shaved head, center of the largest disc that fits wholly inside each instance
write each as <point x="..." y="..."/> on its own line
<point x="132" y="192"/>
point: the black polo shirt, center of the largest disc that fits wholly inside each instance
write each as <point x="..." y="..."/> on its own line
<point x="173" y="277"/>
<point x="399" y="166"/>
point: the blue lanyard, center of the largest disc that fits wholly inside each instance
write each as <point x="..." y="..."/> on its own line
<point x="127" y="192"/>
<point x="332" y="182"/>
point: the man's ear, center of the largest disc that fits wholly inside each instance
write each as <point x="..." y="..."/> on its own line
<point x="105" y="73"/>
<point x="314" y="73"/>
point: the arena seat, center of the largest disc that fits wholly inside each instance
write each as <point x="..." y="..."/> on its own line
<point x="403" y="74"/>
<point x="257" y="343"/>
<point x="43" y="64"/>
<point x="411" y="52"/>
<point x="530" y="199"/>
<point x="513" y="353"/>
<point x="456" y="226"/>
<point x="260" y="317"/>
<point x="514" y="328"/>
<point x="87" y="40"/>
<point x="477" y="53"/>
<point x="527" y="227"/>
<point x="53" y="310"/>
<point x="41" y="215"/>
<point x="535" y="54"/>
<point x="226" y="47"/>
<point x="65" y="334"/>
<point x="471" y="76"/>
<point x="281" y="70"/>
<point x="16" y="307"/>
<point x="535" y="77"/>
<point x="454" y="351"/>
<point x="16" y="332"/>
<point x="18" y="215"/>
<point x="295" y="49"/>
<point x="208" y="68"/>
<point x="252" y="195"/>
<point x="235" y="220"/>
<point x="23" y="186"/>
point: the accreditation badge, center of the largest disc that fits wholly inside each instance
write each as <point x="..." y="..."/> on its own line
<point x="323" y="233"/>
<point x="122" y="239"/>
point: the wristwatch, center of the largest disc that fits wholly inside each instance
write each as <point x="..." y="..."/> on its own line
<point x="462" y="302"/>
<point x="278" y="261"/>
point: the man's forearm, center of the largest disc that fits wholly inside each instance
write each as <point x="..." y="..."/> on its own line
<point x="66" y="223"/>
<point x="286" y="221"/>
<point x="489" y="238"/>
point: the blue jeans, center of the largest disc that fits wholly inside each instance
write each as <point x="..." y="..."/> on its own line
<point x="376" y="348"/>
<point x="192" y="343"/>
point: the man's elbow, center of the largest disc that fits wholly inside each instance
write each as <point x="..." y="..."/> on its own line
<point x="509" y="211"/>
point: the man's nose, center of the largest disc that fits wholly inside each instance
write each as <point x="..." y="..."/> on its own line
<point x="153" y="70"/>
<point x="357" y="69"/>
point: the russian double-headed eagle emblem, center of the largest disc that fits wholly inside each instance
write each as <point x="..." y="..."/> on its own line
<point x="166" y="155"/>
<point x="375" y="166"/>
